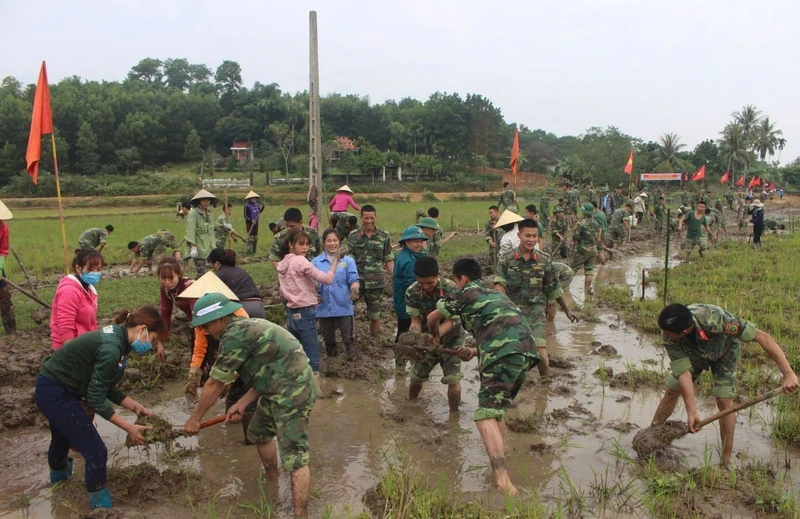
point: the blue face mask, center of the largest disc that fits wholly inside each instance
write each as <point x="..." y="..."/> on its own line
<point x="91" y="277"/>
<point x="142" y="347"/>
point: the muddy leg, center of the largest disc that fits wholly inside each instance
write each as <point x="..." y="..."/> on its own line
<point x="375" y="327"/>
<point x="7" y="309"/>
<point x="414" y="389"/>
<point x="544" y="364"/>
<point x="588" y="290"/>
<point x="454" y="397"/>
<point x="268" y="452"/>
<point x="301" y="485"/>
<point x="727" y="426"/>
<point x="492" y="436"/>
<point x="551" y="311"/>
<point x="666" y="406"/>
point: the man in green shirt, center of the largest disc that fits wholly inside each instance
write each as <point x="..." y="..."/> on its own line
<point x="558" y="232"/>
<point x="660" y="215"/>
<point x="507" y="197"/>
<point x="271" y="362"/>
<point x="619" y="198"/>
<point x="372" y="249"/>
<point x="620" y="227"/>
<point x="697" y="228"/>
<point x="505" y="349"/>
<point x="529" y="279"/>
<point x="585" y="239"/>
<point x="95" y="238"/>
<point x="699" y="337"/>
<point x="293" y="221"/>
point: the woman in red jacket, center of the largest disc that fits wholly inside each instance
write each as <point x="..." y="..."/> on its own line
<point x="75" y="302"/>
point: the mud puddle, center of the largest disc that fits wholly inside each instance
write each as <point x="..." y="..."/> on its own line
<point x="577" y="422"/>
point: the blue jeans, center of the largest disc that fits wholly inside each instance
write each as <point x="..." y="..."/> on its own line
<point x="70" y="425"/>
<point x="302" y="323"/>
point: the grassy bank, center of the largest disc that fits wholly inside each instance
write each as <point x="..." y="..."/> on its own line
<point x="761" y="286"/>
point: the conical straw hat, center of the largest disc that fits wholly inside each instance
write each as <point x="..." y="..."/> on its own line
<point x="508" y="217"/>
<point x="208" y="283"/>
<point x="203" y="194"/>
<point x="5" y="214"/>
<point x="252" y="194"/>
<point x="345" y="188"/>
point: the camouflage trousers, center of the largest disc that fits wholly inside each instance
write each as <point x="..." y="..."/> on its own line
<point x="690" y="243"/>
<point x="723" y="369"/>
<point x="618" y="234"/>
<point x="451" y="368"/>
<point x="500" y="382"/>
<point x="585" y="259"/>
<point x="372" y="297"/>
<point x="85" y="244"/>
<point x="279" y="416"/>
<point x="535" y="315"/>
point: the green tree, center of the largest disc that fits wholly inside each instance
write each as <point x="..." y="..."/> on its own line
<point x="177" y="73"/>
<point x="671" y="146"/>
<point x="11" y="162"/>
<point x="88" y="159"/>
<point x="128" y="158"/>
<point x="284" y="140"/>
<point x="148" y="70"/>
<point x="734" y="148"/>
<point x="766" y="138"/>
<point x="192" y="150"/>
<point x="781" y="145"/>
<point x="748" y="118"/>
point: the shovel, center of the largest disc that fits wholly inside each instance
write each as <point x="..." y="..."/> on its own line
<point x="660" y="435"/>
<point x="208" y="423"/>
<point x="413" y="346"/>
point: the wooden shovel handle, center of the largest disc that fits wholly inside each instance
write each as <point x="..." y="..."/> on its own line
<point x="743" y="405"/>
<point x="213" y="421"/>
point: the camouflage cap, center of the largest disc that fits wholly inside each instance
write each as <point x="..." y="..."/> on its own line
<point x="558" y="209"/>
<point x="428" y="222"/>
<point x="549" y="191"/>
<point x="587" y="208"/>
<point x="211" y="307"/>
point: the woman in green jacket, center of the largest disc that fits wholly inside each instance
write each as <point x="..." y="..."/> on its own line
<point x="85" y="371"/>
<point x="200" y="227"/>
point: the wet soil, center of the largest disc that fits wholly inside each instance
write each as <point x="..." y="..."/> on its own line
<point x="657" y="436"/>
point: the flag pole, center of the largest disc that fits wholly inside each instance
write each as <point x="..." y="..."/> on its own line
<point x="60" y="207"/>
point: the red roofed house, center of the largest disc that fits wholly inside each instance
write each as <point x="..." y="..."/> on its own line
<point x="242" y="151"/>
<point x="346" y="144"/>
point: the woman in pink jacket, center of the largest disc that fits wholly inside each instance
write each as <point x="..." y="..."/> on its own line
<point x="75" y="302"/>
<point x="298" y="280"/>
<point x="342" y="200"/>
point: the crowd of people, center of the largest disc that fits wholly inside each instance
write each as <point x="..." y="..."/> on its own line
<point x="270" y="372"/>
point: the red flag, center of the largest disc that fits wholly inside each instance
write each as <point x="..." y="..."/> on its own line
<point x="701" y="173"/>
<point x="515" y="153"/>
<point x="753" y="182"/>
<point x="725" y="177"/>
<point x="740" y="182"/>
<point x="772" y="185"/>
<point x="41" y="124"/>
<point x="629" y="166"/>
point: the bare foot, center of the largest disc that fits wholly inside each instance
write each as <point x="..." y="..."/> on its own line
<point x="507" y="488"/>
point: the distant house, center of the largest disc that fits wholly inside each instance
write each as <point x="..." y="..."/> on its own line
<point x="346" y="144"/>
<point x="337" y="148"/>
<point x="242" y="151"/>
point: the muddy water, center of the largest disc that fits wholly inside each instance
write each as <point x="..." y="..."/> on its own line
<point x="361" y="427"/>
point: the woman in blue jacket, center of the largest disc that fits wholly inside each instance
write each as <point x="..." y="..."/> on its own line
<point x="403" y="277"/>
<point x="336" y="300"/>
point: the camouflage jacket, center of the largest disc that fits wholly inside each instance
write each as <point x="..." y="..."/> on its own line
<point x="618" y="218"/>
<point x="528" y="283"/>
<point x="558" y="226"/>
<point x="684" y="198"/>
<point x="497" y="324"/>
<point x="267" y="358"/>
<point x="619" y="201"/>
<point x="715" y="331"/>
<point x="435" y="244"/>
<point x="420" y="304"/>
<point x="506" y="198"/>
<point x="93" y="237"/>
<point x="489" y="231"/>
<point x="771" y="224"/>
<point x="544" y="207"/>
<point x="341" y="225"/>
<point x="573" y="199"/>
<point x="153" y="242"/>
<point x="220" y="232"/>
<point x="659" y="211"/>
<point x="717" y="217"/>
<point x="585" y="235"/>
<point x="370" y="253"/>
<point x="276" y="254"/>
<point x="564" y="274"/>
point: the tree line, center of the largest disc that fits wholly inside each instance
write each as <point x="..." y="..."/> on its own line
<point x="175" y="111"/>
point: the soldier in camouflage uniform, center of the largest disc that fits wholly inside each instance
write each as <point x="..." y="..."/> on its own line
<point x="697" y="227"/>
<point x="372" y="250"/>
<point x="585" y="239"/>
<point x="564" y="275"/>
<point x="507" y="198"/>
<point x="685" y="196"/>
<point x="95" y="238"/>
<point x="152" y="245"/>
<point x="717" y="222"/>
<point x="773" y="225"/>
<point x="558" y="233"/>
<point x="432" y="230"/>
<point x="293" y="221"/>
<point x="421" y="299"/>
<point x="223" y="227"/>
<point x="493" y="236"/>
<point x="544" y="207"/>
<point x="620" y="225"/>
<point x="420" y="213"/>
<point x="529" y="279"/>
<point x="271" y="361"/>
<point x="729" y="200"/>
<point x="574" y="198"/>
<point x="619" y="198"/>
<point x="505" y="349"/>
<point x="700" y="337"/>
<point x="345" y="223"/>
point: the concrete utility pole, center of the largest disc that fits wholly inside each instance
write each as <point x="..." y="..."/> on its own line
<point x="314" y="126"/>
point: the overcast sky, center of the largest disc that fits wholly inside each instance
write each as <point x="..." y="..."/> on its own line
<point x="646" y="67"/>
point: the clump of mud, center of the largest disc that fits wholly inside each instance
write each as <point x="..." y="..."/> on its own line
<point x="524" y="424"/>
<point x="161" y="431"/>
<point x="560" y="414"/>
<point x="541" y="448"/>
<point x="605" y="372"/>
<point x="606" y="350"/>
<point x="636" y="378"/>
<point x="558" y="362"/>
<point x="562" y="391"/>
<point x="657" y="436"/>
<point x="621" y="426"/>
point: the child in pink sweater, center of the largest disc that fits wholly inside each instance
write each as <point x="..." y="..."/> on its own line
<point x="75" y="302"/>
<point x="298" y="278"/>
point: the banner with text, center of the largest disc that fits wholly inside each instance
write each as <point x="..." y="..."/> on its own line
<point x="660" y="176"/>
